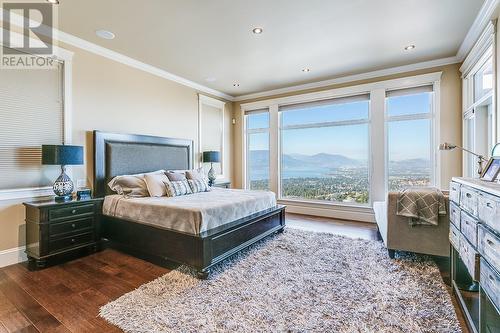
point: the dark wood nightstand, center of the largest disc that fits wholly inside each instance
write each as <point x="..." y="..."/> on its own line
<point x="54" y="229"/>
<point x="223" y="184"/>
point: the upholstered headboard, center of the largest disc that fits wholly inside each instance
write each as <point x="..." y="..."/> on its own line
<point x="124" y="154"/>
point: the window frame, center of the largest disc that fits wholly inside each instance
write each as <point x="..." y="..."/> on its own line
<point x="434" y="137"/>
<point x="246" y="142"/>
<point x="66" y="58"/>
<point x="377" y="92"/>
<point x="326" y="124"/>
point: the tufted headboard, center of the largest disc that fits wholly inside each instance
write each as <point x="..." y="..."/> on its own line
<point x="124" y="154"/>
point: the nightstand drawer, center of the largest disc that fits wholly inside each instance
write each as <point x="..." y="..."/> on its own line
<point x="70" y="227"/>
<point x="65" y="212"/>
<point x="70" y="241"/>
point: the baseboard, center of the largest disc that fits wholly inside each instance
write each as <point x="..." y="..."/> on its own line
<point x="12" y="256"/>
<point x="331" y="212"/>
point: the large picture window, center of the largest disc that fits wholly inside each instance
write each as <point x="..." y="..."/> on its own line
<point x="257" y="149"/>
<point x="325" y="150"/>
<point x="410" y="145"/>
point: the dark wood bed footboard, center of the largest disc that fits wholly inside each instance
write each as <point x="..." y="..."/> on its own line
<point x="198" y="251"/>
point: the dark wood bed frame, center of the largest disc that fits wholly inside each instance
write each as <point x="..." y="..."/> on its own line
<point x="157" y="244"/>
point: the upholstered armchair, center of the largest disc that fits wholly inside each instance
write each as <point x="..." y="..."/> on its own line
<point x="398" y="235"/>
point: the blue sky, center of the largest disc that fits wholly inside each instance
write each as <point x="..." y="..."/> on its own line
<point x="409" y="139"/>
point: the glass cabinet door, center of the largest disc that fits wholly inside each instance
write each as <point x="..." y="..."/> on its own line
<point x="483" y="80"/>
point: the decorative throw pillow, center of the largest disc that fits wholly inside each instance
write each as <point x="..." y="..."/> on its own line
<point x="199" y="185"/>
<point x="177" y="185"/>
<point x="156" y="184"/>
<point x="131" y="185"/>
<point x="196" y="174"/>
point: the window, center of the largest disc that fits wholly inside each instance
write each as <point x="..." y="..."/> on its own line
<point x="32" y="114"/>
<point x="257" y="149"/>
<point x="410" y="143"/>
<point x="325" y="150"/>
<point x="478" y="113"/>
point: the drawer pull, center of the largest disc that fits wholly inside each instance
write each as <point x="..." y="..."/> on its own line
<point x="468" y="195"/>
<point x="73" y="225"/>
<point x="489" y="242"/>
<point x="73" y="211"/>
<point x="491" y="277"/>
<point x="72" y="240"/>
<point x="488" y="205"/>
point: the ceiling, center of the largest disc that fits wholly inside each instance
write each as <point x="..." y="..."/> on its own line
<point x="213" y="39"/>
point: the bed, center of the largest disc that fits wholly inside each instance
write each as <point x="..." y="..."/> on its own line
<point x="198" y="230"/>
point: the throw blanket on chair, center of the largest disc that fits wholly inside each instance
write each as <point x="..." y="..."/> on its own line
<point x="422" y="206"/>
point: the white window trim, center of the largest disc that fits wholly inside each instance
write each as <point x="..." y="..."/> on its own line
<point x="205" y="100"/>
<point x="377" y="132"/>
<point x="66" y="57"/>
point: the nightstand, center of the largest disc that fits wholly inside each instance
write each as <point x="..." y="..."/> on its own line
<point x="55" y="229"/>
<point x="223" y="184"/>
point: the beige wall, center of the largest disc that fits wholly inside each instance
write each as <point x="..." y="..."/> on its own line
<point x="450" y="124"/>
<point x="110" y="96"/>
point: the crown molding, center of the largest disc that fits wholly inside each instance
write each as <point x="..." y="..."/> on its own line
<point x="483" y="17"/>
<point x="72" y="40"/>
<point x="352" y="78"/>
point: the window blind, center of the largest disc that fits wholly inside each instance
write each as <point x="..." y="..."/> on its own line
<point x="325" y="102"/>
<point x="257" y="111"/>
<point x="409" y="91"/>
<point x="31" y="109"/>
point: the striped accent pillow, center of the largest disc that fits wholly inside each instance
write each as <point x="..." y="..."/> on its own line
<point x="199" y="185"/>
<point x="179" y="187"/>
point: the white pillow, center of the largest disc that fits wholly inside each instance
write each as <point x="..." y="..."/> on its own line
<point x="131" y="185"/>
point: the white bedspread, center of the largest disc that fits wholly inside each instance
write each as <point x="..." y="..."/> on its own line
<point x="194" y="213"/>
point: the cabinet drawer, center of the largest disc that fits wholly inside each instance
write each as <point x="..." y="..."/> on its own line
<point x="70" y="241"/>
<point x="70" y="227"/>
<point x="454" y="237"/>
<point x="468" y="200"/>
<point x="455" y="215"/>
<point x="468" y="227"/>
<point x="490" y="282"/>
<point x="489" y="246"/>
<point x="489" y="211"/>
<point x="455" y="192"/>
<point x="65" y="212"/>
<point x="470" y="257"/>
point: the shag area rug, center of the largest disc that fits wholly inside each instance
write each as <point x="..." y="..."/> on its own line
<point x="297" y="281"/>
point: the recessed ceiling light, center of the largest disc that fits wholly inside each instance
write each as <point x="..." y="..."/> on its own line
<point x="257" y="31"/>
<point x="105" y="34"/>
<point x="409" y="47"/>
<point x="306" y="70"/>
<point x="236" y="85"/>
<point x="54" y="2"/>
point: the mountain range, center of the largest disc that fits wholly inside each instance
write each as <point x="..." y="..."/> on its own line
<point x="260" y="158"/>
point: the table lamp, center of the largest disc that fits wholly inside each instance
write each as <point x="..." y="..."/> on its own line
<point x="211" y="157"/>
<point x="62" y="155"/>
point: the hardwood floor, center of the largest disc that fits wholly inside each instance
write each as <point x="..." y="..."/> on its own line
<point x="67" y="297"/>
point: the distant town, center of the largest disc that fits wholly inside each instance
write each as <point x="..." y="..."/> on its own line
<point x="322" y="177"/>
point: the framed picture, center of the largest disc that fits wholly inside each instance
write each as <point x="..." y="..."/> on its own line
<point x="490" y="173"/>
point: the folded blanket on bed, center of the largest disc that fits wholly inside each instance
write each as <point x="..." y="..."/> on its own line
<point x="422" y="206"/>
